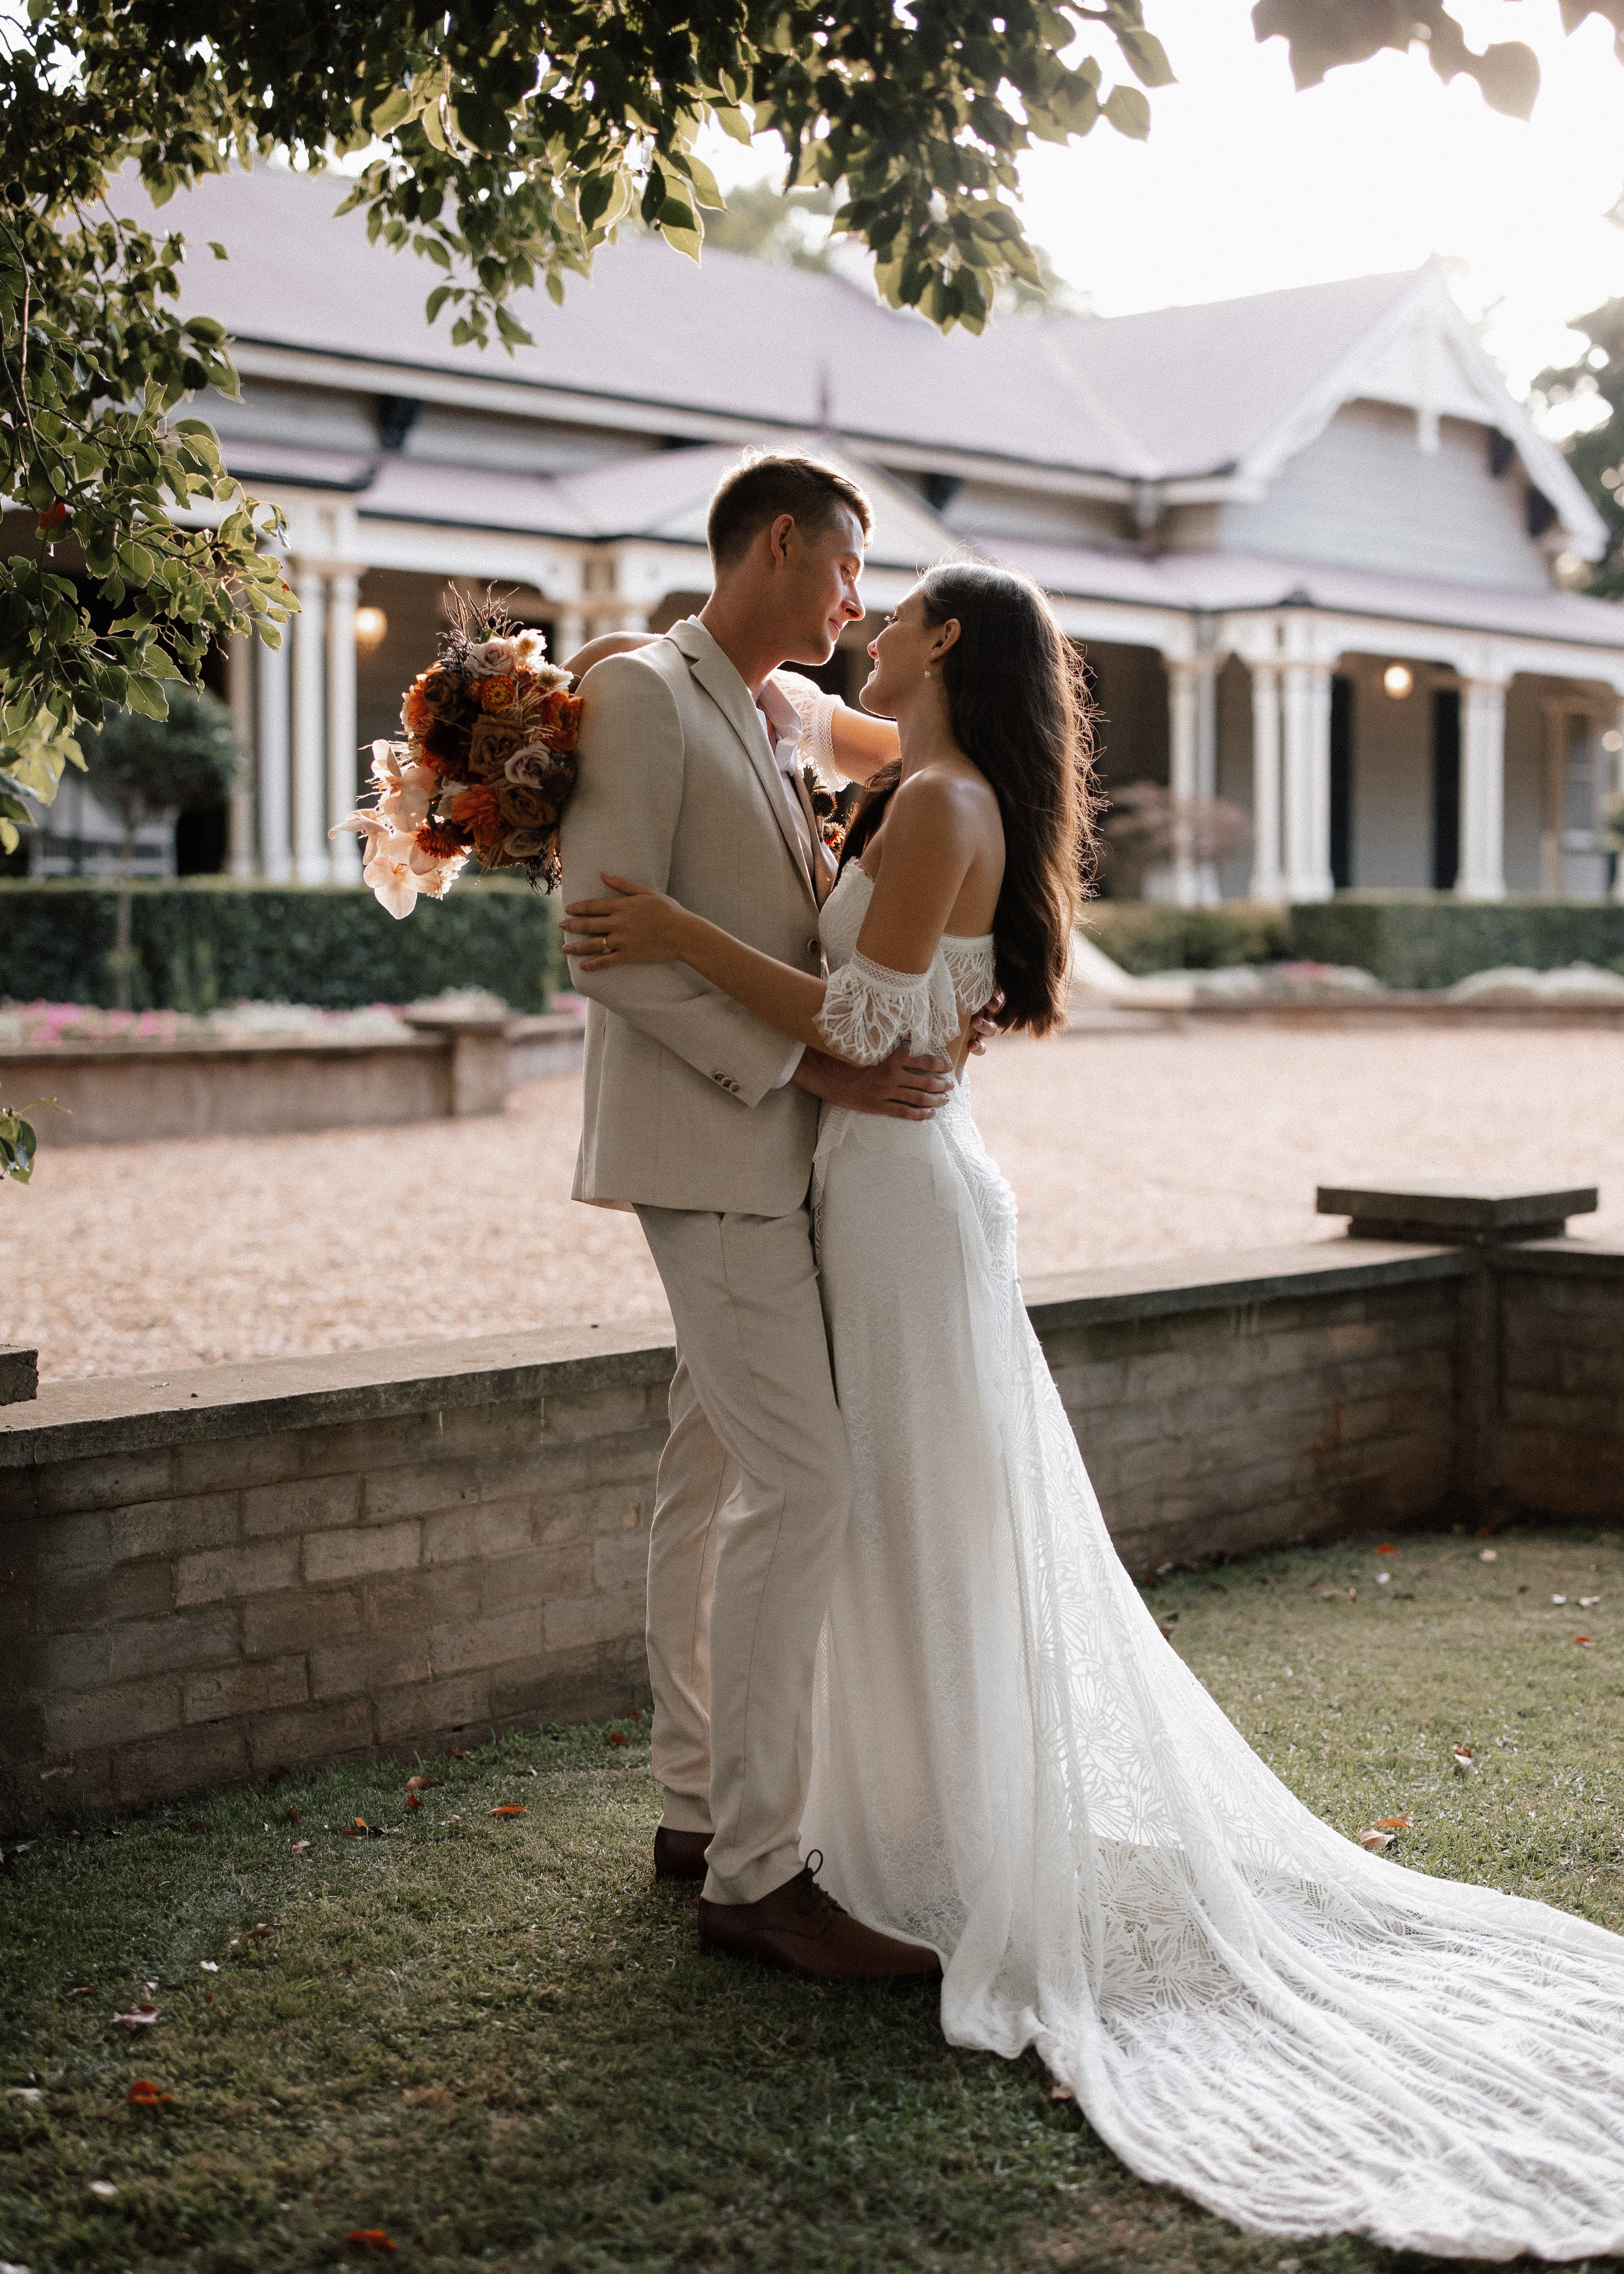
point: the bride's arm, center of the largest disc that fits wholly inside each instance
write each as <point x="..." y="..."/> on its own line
<point x="928" y="849"/>
<point x="843" y="744"/>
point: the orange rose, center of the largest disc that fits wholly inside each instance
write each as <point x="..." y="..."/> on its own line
<point x="475" y="810"/>
<point x="496" y="694"/>
<point x="416" y="716"/>
<point x="439" y="839"/>
<point x="559" y="719"/>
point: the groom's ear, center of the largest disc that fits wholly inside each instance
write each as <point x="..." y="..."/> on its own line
<point x="779" y="532"/>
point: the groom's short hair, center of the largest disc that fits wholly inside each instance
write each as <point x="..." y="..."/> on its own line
<point x="765" y="484"/>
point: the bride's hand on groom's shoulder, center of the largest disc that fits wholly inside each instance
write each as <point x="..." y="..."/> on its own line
<point x="636" y="925"/>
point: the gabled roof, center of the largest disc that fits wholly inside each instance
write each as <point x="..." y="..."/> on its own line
<point x="1222" y="393"/>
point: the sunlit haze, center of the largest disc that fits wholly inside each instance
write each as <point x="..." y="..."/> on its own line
<point x="1246" y="186"/>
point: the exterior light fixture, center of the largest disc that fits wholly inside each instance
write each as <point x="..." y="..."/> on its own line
<point x="371" y="627"/>
<point x="1613" y="739"/>
<point x="1398" y="679"/>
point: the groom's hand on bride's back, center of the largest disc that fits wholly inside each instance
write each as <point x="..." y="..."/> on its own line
<point x="907" y="1086"/>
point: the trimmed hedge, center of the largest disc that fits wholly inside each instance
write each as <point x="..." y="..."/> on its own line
<point x="1146" y="936"/>
<point x="1422" y="941"/>
<point x="207" y="941"/>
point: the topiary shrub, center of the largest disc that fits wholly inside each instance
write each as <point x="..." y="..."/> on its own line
<point x="1146" y="936"/>
<point x="209" y="939"/>
<point x="1422" y="940"/>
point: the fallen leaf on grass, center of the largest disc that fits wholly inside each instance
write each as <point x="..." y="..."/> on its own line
<point x="369" y="2238"/>
<point x="1589" y="1602"/>
<point x="258" y="1931"/>
<point x="355" y="1831"/>
<point x="1583" y="1641"/>
<point x="412" y="1801"/>
<point x="1386" y="1548"/>
<point x="208" y="1966"/>
<point x="30" y="2095"/>
<point x="301" y="1847"/>
<point x="461" y="1753"/>
<point x="1558" y="1599"/>
<point x="1488" y="1556"/>
<point x="1384" y="1579"/>
<point x="509" y="1808"/>
<point x="618" y="1737"/>
<point x="423" y="1784"/>
<point x="1376" y="1841"/>
<point x="144" y="2093"/>
<point x="197" y="1824"/>
<point x="104" y="2188"/>
<point x="138" y="2017"/>
<point x="1461" y="1756"/>
<point x="85" y="1990"/>
<point x="426" y="2096"/>
<point x="1394" y="1824"/>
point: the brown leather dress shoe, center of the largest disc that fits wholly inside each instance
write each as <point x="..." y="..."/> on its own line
<point x="803" y="1931"/>
<point x="679" y="1854"/>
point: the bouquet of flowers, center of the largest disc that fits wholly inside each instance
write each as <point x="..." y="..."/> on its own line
<point x="485" y="765"/>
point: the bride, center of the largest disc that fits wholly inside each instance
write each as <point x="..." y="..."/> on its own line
<point x="1011" y="1765"/>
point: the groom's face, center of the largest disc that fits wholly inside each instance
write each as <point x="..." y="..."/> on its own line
<point x="818" y="593"/>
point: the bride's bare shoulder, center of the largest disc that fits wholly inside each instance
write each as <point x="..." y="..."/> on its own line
<point x="948" y="796"/>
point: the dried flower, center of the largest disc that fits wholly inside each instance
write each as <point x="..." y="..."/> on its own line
<point x="497" y="694"/>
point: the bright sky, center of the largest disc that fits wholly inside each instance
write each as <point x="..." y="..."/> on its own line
<point x="1246" y="185"/>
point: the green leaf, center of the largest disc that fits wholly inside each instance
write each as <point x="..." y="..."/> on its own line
<point x="392" y="111"/>
<point x="1128" y="112"/>
<point x="217" y="249"/>
<point x="511" y="329"/>
<point x="1146" y="57"/>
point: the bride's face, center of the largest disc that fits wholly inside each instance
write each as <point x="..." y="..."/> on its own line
<point x="902" y="653"/>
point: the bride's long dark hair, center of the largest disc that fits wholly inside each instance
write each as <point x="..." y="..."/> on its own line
<point x="1019" y="712"/>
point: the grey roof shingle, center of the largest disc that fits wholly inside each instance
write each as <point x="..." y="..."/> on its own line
<point x="1183" y="391"/>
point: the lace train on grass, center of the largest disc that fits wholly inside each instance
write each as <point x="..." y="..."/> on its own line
<point x="1011" y="1764"/>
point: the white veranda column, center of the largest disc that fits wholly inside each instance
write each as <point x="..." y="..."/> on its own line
<point x="275" y="780"/>
<point x="568" y="634"/>
<point x="240" y="691"/>
<point x="1267" y="883"/>
<point x="310" y="772"/>
<point x="1207" y="892"/>
<point x="1183" y="740"/>
<point x="1482" y="791"/>
<point x="1615" y="788"/>
<point x="344" y="852"/>
<point x="1305" y="709"/>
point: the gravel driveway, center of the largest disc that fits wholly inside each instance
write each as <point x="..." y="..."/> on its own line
<point x="144" y="1258"/>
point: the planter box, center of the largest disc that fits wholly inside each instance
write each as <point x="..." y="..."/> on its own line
<point x="121" y="1094"/>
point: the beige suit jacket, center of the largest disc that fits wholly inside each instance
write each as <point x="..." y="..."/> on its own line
<point x="678" y="789"/>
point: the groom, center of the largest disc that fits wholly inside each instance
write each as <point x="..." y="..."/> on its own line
<point x="704" y="1120"/>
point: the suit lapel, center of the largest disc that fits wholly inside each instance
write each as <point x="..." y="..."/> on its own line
<point x="731" y="697"/>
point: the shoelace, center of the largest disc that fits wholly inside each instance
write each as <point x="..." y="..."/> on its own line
<point x="811" y="1902"/>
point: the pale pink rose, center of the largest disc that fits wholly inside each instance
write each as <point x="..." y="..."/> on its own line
<point x="493" y="655"/>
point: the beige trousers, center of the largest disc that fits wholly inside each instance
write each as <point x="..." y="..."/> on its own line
<point x="750" y="1516"/>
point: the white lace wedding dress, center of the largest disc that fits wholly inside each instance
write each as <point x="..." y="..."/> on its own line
<point x="1012" y="1766"/>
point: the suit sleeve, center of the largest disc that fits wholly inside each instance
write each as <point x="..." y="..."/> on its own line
<point x="622" y="817"/>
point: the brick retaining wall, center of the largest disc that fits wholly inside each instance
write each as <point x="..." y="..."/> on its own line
<point x="255" y="1567"/>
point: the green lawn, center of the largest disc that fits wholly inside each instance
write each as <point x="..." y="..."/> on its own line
<point x="493" y="2039"/>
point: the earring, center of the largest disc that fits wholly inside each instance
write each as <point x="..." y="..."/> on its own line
<point x="930" y="674"/>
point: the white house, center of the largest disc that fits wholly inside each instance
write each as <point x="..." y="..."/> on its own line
<point x="1308" y="540"/>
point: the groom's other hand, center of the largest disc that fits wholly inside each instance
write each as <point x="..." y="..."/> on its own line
<point x="905" y="1087"/>
<point x="985" y="1024"/>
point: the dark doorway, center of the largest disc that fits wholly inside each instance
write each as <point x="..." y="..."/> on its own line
<point x="200" y="840"/>
<point x="1341" y="782"/>
<point x="1446" y="787"/>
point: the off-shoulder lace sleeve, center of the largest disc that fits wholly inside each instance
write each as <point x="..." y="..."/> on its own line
<point x="815" y="710"/>
<point x="869" y="1011"/>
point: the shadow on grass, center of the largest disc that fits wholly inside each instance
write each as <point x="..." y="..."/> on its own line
<point x="492" y="2037"/>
